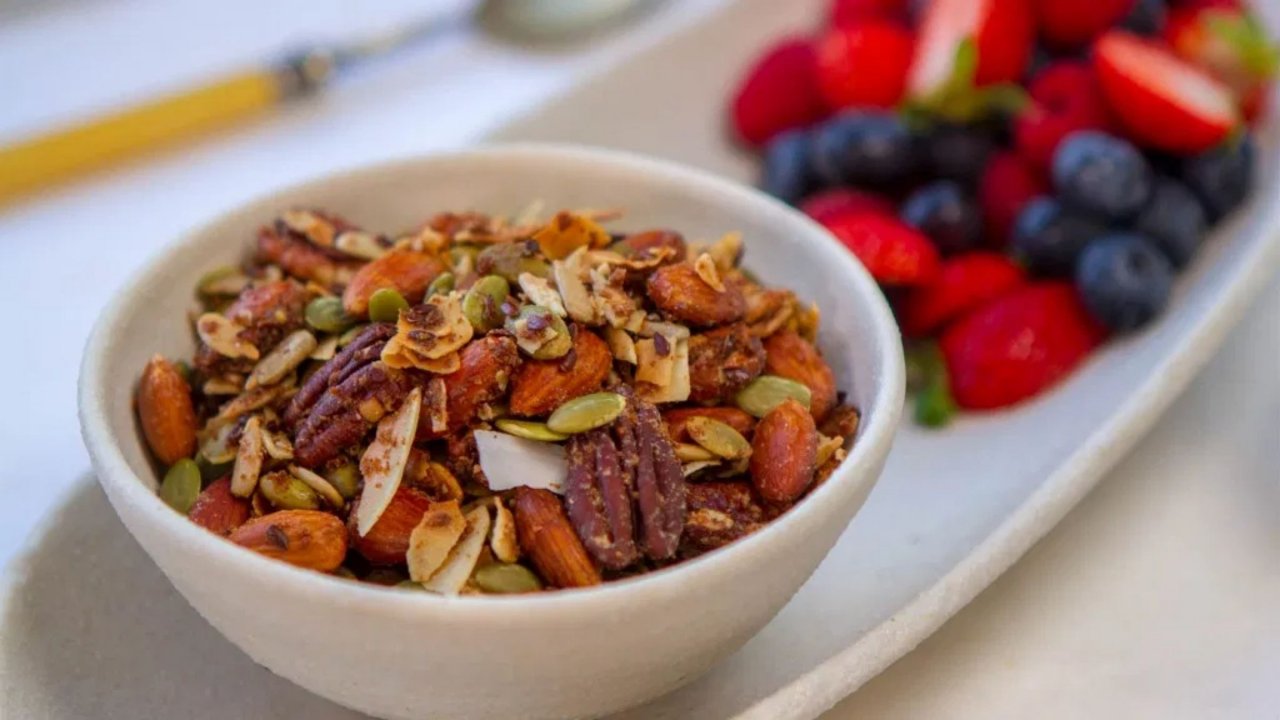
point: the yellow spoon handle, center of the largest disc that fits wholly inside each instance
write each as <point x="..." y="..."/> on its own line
<point x="43" y="160"/>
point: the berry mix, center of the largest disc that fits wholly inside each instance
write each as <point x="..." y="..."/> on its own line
<point x="487" y="405"/>
<point x="1024" y="178"/>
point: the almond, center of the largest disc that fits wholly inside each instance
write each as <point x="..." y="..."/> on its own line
<point x="388" y="539"/>
<point x="681" y="293"/>
<point x="217" y="510"/>
<point x="166" y="411"/>
<point x="309" y="539"/>
<point x="549" y="540"/>
<point x="650" y="241"/>
<point x="790" y="356"/>
<point x="544" y="385"/>
<point x="784" y="453"/>
<point x="407" y="271"/>
<point x="731" y="416"/>
<point x="485" y="370"/>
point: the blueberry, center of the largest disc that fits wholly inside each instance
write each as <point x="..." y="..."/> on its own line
<point x="957" y="152"/>
<point x="873" y="150"/>
<point x="1048" y="238"/>
<point x="786" y="173"/>
<point x="1146" y="18"/>
<point x="1101" y="175"/>
<point x="1174" y="220"/>
<point x="943" y="211"/>
<point x="1222" y="177"/>
<point x="1124" y="280"/>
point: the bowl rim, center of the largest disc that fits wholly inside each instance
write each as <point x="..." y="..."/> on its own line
<point x="876" y="432"/>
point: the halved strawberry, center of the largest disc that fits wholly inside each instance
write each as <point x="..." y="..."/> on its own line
<point x="1162" y="101"/>
<point x="1065" y="97"/>
<point x="1018" y="346"/>
<point x="837" y="201"/>
<point x="1072" y="23"/>
<point x="1002" y="32"/>
<point x="778" y="92"/>
<point x="864" y="64"/>
<point x="895" y="253"/>
<point x="1231" y="45"/>
<point x="965" y="282"/>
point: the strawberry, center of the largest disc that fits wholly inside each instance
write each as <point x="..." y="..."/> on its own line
<point x="829" y="203"/>
<point x="1071" y="23"/>
<point x="851" y="12"/>
<point x="895" y="253"/>
<point x="1001" y="32"/>
<point x="1065" y="97"/>
<point x="1007" y="185"/>
<point x="1018" y="345"/>
<point x="779" y="92"/>
<point x="1231" y="45"/>
<point x="864" y="64"/>
<point x="965" y="282"/>
<point x="1162" y="101"/>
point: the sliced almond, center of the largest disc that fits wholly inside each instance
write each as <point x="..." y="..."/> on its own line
<point x="223" y="336"/>
<point x="249" y="454"/>
<point x="621" y="344"/>
<point x="283" y="358"/>
<point x="541" y="292"/>
<point x="247" y="402"/>
<point x="577" y="301"/>
<point x="509" y="461"/>
<point x="216" y="445"/>
<point x="431" y="541"/>
<point x="707" y="270"/>
<point x="456" y="571"/>
<point x="503" y="541"/>
<point x="361" y="244"/>
<point x="383" y="462"/>
<point x="308" y="224"/>
<point x="726" y="251"/>
<point x="319" y="484"/>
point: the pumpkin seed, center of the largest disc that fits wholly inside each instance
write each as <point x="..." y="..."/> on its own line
<point x="720" y="438"/>
<point x="222" y="281"/>
<point x="319" y="484"/>
<point x="483" y="303"/>
<point x="212" y="471"/>
<point x="689" y="453"/>
<point x="345" y="479"/>
<point x="325" y="314"/>
<point x="442" y="285"/>
<point x="529" y="430"/>
<point x="586" y="413"/>
<point x="181" y="485"/>
<point x="768" y="391"/>
<point x="287" y="492"/>
<point x="462" y="258"/>
<point x="504" y="579"/>
<point x="511" y="259"/>
<point x="540" y="333"/>
<point x="385" y="305"/>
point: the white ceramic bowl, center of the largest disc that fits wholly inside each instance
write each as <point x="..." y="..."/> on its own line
<point x="565" y="654"/>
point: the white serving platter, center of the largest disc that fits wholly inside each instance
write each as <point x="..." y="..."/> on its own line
<point x="87" y="614"/>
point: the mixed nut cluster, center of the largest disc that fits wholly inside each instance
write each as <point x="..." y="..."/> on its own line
<point x="491" y="405"/>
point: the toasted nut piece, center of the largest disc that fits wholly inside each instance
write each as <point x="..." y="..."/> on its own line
<point x="166" y="412"/>
<point x="301" y="259"/>
<point x="842" y="422"/>
<point x="680" y="292"/>
<point x="651" y="242"/>
<point x="541" y="386"/>
<point x="486" y="367"/>
<point x="406" y="271"/>
<point x="828" y="447"/>
<point x="706" y="268"/>
<point x="727" y="251"/>
<point x="431" y="540"/>
<point x="388" y="539"/>
<point x="223" y="336"/>
<point x="283" y="358"/>
<point x="436" y="480"/>
<point x="549" y="540"/>
<point x="503" y="541"/>
<point x="722" y="362"/>
<point x="622" y="345"/>
<point x="453" y="575"/>
<point x="784" y="453"/>
<point x="719" y="513"/>
<point x="306" y="538"/>
<point x="733" y="417"/>
<point x="790" y="356"/>
<point x="249" y="455"/>
<point x="217" y="510"/>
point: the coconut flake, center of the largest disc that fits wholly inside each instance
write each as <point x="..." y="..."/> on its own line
<point x="437" y="533"/>
<point x="456" y="571"/>
<point x="383" y="462"/>
<point x="509" y="462"/>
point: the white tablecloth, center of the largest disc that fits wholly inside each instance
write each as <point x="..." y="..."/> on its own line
<point x="1157" y="598"/>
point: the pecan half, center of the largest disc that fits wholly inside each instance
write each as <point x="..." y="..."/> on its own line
<point x="719" y="513"/>
<point x="791" y="356"/>
<point x="722" y="362"/>
<point x="364" y="349"/>
<point x="487" y="366"/>
<point x="681" y="293"/>
<point x="544" y="385"/>
<point x="268" y="313"/>
<point x="548" y="539"/>
<point x="598" y="498"/>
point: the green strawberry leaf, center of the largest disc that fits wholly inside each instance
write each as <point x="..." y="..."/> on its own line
<point x="1243" y="32"/>
<point x="934" y="405"/>
<point x="959" y="99"/>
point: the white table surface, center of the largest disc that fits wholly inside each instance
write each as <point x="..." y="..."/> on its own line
<point x="1158" y="597"/>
